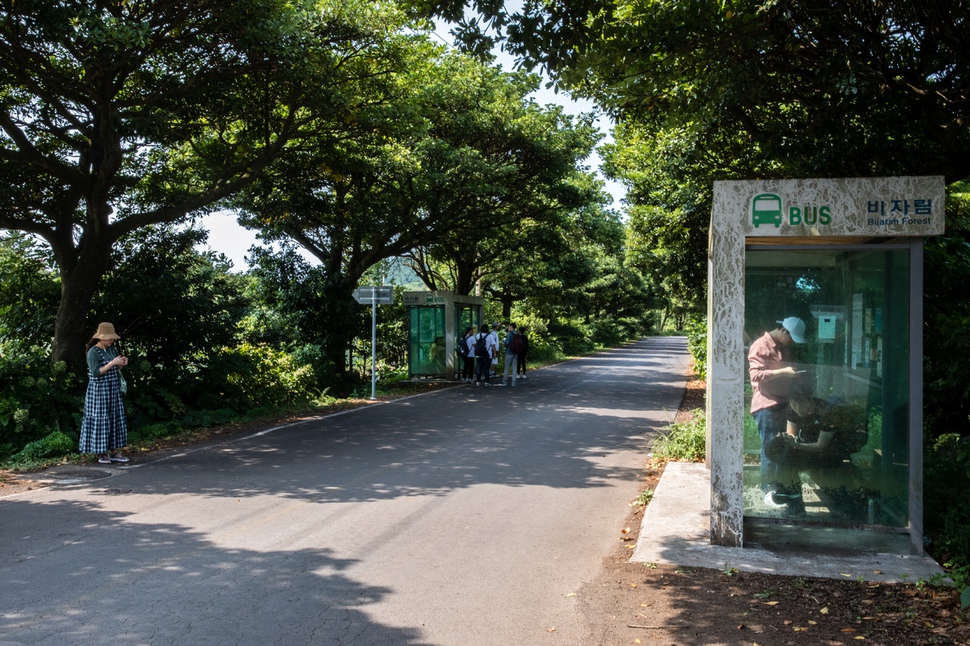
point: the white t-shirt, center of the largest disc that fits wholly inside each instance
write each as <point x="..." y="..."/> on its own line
<point x="491" y="343"/>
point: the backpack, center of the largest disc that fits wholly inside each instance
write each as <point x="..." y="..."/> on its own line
<point x="516" y="345"/>
<point x="481" y="347"/>
<point x="463" y="347"/>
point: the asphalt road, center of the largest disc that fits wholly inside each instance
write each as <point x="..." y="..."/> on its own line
<point x="469" y="516"/>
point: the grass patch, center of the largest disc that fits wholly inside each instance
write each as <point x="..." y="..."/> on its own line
<point x="645" y="496"/>
<point x="684" y="441"/>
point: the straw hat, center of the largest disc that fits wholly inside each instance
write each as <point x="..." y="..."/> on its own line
<point x="105" y="331"/>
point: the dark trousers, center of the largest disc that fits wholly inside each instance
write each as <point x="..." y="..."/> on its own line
<point x="521" y="368"/>
<point x="468" y="368"/>
<point x="484" y="369"/>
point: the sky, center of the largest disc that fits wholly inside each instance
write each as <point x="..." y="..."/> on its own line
<point x="232" y="240"/>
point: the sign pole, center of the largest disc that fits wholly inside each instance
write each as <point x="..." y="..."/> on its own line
<point x="373" y="347"/>
<point x="374" y="294"/>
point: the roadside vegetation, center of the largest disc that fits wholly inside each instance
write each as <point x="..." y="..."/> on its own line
<point x="682" y="441"/>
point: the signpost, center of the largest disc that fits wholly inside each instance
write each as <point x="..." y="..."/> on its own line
<point x="375" y="295"/>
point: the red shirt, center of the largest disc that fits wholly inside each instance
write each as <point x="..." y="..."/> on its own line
<point x="767" y="354"/>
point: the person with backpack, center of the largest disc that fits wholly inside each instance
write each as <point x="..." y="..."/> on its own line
<point x="466" y="350"/>
<point x="485" y="350"/>
<point x="523" y="352"/>
<point x="513" y="346"/>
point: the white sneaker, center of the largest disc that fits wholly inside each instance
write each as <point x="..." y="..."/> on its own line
<point x="770" y="500"/>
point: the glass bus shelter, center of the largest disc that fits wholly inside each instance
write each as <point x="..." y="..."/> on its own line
<point x="436" y="323"/>
<point x="844" y="257"/>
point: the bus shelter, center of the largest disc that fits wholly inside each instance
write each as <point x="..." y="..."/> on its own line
<point x="437" y="322"/>
<point x="835" y="268"/>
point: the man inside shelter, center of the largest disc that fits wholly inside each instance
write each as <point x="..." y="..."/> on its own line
<point x="771" y="372"/>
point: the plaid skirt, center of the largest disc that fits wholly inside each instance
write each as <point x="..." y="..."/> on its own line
<point x="103" y="427"/>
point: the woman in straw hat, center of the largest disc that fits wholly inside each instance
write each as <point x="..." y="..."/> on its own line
<point x="103" y="428"/>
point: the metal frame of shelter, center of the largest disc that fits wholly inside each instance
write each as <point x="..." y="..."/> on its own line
<point x="848" y="220"/>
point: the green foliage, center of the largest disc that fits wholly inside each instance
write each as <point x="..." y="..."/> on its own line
<point x="609" y="332"/>
<point x="29" y="291"/>
<point x="666" y="237"/>
<point x="752" y="439"/>
<point x="696" y="330"/>
<point x="194" y="304"/>
<point x="271" y="377"/>
<point x="572" y="338"/>
<point x="301" y="305"/>
<point x="958" y="577"/>
<point x="870" y="88"/>
<point x="36" y="397"/>
<point x="644" y="497"/>
<point x="460" y="170"/>
<point x="683" y="441"/>
<point x="946" y="316"/>
<point x="251" y="376"/>
<point x="946" y="491"/>
<point x="55" y="444"/>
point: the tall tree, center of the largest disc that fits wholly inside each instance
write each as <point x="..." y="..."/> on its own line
<point x="668" y="175"/>
<point x="119" y="114"/>
<point x="826" y="87"/>
<point x="500" y="251"/>
<point x="459" y="149"/>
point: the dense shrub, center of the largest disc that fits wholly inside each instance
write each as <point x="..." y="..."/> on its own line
<point x="611" y="332"/>
<point x="946" y="497"/>
<point x="36" y="398"/>
<point x="263" y="376"/>
<point x="53" y="445"/>
<point x="572" y="339"/>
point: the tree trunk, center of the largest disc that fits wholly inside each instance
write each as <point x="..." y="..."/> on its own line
<point x="78" y="286"/>
<point x="341" y="315"/>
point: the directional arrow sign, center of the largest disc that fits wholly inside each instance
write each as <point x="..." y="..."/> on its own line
<point x="375" y="295"/>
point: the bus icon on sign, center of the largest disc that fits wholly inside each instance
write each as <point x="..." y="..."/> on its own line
<point x="766" y="209"/>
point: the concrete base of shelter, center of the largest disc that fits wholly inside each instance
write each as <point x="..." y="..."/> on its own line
<point x="676" y="530"/>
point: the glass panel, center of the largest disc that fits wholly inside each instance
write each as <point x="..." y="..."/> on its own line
<point x="466" y="316"/>
<point x="427" y="355"/>
<point x="828" y="439"/>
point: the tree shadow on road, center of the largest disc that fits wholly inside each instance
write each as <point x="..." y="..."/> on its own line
<point x="110" y="579"/>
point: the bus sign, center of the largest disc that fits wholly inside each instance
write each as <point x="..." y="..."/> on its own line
<point x="766" y="209"/>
